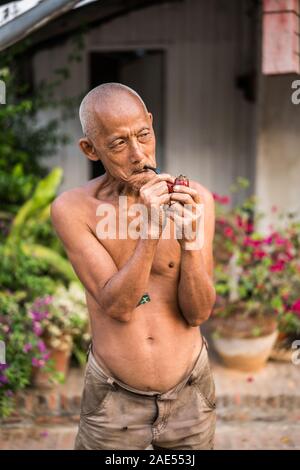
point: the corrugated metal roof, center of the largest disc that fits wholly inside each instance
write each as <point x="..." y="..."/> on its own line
<point x="11" y="10"/>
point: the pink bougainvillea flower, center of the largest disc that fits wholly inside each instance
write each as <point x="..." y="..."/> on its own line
<point x="221" y="199"/>
<point x="42" y="347"/>
<point x="277" y="267"/>
<point x="248" y="241"/>
<point x="46" y="356"/>
<point x="296" y="307"/>
<point x="239" y="221"/>
<point x="37" y="328"/>
<point x="27" y="347"/>
<point x="228" y="232"/>
<point x="249" y="227"/>
<point x="268" y="239"/>
<point x="221" y="220"/>
<point x="280" y="240"/>
<point x="37" y="362"/>
<point x="259" y="254"/>
<point x="48" y="299"/>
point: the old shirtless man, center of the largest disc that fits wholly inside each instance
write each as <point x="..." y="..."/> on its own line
<point x="148" y="379"/>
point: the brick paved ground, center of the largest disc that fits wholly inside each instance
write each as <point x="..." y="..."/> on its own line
<point x="229" y="436"/>
<point x="255" y="411"/>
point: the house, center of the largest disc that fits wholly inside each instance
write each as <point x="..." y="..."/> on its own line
<point x="198" y="67"/>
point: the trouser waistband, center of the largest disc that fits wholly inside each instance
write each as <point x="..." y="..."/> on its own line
<point x="170" y="394"/>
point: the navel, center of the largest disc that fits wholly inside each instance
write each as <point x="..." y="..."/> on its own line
<point x="150" y="338"/>
<point x="171" y="264"/>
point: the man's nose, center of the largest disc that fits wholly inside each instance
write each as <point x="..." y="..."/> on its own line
<point x="136" y="153"/>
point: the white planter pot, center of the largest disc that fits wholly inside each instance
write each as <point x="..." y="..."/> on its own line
<point x="247" y="354"/>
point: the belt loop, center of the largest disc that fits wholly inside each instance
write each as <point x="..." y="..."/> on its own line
<point x="112" y="383"/>
<point x="205" y="342"/>
<point x="88" y="351"/>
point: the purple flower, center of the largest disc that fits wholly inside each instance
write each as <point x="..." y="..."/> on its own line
<point x="27" y="347"/>
<point x="42" y="347"/>
<point x="3" y="366"/>
<point x="47" y="300"/>
<point x="9" y="393"/>
<point x="37" y="316"/>
<point x="46" y="356"/>
<point x="37" y="362"/>
<point x="37" y="328"/>
<point x="3" y="379"/>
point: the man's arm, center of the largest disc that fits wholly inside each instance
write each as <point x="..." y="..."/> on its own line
<point x="196" y="293"/>
<point x="116" y="292"/>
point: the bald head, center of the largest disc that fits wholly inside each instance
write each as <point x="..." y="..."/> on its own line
<point x="108" y="97"/>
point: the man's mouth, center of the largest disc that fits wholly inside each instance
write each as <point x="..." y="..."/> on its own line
<point x="146" y="169"/>
<point x="143" y="170"/>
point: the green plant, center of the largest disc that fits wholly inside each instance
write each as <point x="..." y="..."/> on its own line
<point x="21" y="243"/>
<point x="24" y="142"/>
<point x="258" y="271"/>
<point x="26" y="139"/>
<point x="24" y="349"/>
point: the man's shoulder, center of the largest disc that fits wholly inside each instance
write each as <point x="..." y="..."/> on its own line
<point x="67" y="202"/>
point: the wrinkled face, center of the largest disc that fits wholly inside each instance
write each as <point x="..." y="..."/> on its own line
<point x="126" y="142"/>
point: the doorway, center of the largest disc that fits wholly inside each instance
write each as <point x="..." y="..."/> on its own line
<point x="142" y="70"/>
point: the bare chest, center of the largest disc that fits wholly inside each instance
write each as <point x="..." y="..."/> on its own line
<point x="115" y="235"/>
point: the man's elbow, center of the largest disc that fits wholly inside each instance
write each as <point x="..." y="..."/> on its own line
<point x="197" y="321"/>
<point x="204" y="315"/>
<point x="122" y="317"/>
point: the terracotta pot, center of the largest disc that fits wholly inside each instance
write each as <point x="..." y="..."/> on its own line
<point x="246" y="354"/>
<point x="61" y="361"/>
<point x="244" y="342"/>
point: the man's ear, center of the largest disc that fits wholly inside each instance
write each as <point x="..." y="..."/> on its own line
<point x="88" y="149"/>
<point x="151" y="117"/>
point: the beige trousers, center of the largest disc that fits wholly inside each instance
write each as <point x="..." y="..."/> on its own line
<point x="115" y="416"/>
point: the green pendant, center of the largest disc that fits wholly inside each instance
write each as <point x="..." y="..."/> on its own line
<point x="145" y="299"/>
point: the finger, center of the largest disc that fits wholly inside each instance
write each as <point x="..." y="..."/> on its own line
<point x="177" y="208"/>
<point x="163" y="199"/>
<point x="158" y="178"/>
<point x="156" y="190"/>
<point x="159" y="186"/>
<point x="183" y="198"/>
<point x="187" y="190"/>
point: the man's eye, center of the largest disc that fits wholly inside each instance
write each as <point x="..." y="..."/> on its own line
<point x="118" y="143"/>
<point x="144" y="135"/>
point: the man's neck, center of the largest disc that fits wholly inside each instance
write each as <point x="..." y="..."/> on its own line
<point x="121" y="188"/>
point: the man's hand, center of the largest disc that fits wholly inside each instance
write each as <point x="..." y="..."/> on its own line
<point x="155" y="197"/>
<point x="186" y="211"/>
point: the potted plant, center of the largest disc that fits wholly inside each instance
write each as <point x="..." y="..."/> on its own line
<point x="251" y="279"/>
<point x="289" y="314"/>
<point x="61" y="321"/>
<point x="243" y="335"/>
